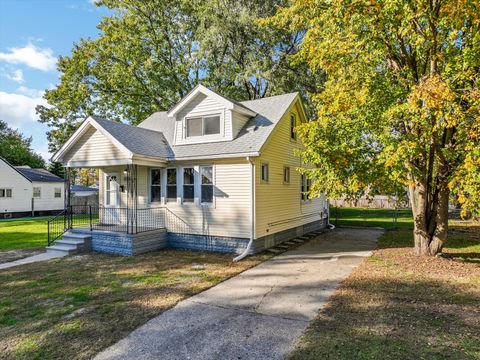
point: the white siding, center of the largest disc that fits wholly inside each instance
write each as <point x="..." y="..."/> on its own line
<point x="93" y="145"/>
<point x="278" y="205"/>
<point x="22" y="192"/>
<point x="203" y="105"/>
<point x="47" y="200"/>
<point x="238" y="122"/>
<point x="21" y="199"/>
<point x="230" y="214"/>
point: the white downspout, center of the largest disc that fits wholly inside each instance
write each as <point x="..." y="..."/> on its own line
<point x="252" y="212"/>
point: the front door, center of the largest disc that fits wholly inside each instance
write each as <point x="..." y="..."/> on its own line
<point x="112" y="213"/>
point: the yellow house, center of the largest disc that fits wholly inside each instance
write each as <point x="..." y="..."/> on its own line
<point x="209" y="174"/>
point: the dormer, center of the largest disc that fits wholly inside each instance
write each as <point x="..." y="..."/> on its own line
<point x="205" y="116"/>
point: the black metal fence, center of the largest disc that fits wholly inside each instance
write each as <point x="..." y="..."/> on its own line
<point x="117" y="219"/>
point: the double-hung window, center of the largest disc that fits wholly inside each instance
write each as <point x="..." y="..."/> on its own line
<point x="58" y="192"/>
<point x="188" y="185"/>
<point x="203" y="125"/>
<point x="206" y="173"/>
<point x="171" y="184"/>
<point x="37" y="193"/>
<point x="5" y="193"/>
<point x="155" y="185"/>
<point x="305" y="187"/>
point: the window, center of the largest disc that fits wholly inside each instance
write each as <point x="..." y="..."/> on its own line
<point x="5" y="193"/>
<point x="286" y="174"/>
<point x="188" y="184"/>
<point x="305" y="187"/>
<point x="171" y="184"/>
<point x="37" y="192"/>
<point x="111" y="190"/>
<point x="58" y="192"/>
<point x="264" y="172"/>
<point x="293" y="124"/>
<point x="206" y="173"/>
<point x="206" y="125"/>
<point x="155" y="192"/>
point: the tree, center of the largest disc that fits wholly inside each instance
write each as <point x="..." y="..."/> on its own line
<point x="16" y="148"/>
<point x="57" y="168"/>
<point x="401" y="103"/>
<point x="149" y="54"/>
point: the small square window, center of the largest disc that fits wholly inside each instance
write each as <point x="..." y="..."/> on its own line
<point x="286" y="174"/>
<point x="264" y="172"/>
<point x="37" y="193"/>
<point x="58" y="192"/>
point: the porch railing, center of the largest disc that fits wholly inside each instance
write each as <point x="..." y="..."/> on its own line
<point x="117" y="219"/>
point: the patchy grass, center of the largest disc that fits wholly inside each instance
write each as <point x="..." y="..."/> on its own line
<point x="385" y="218"/>
<point x="23" y="233"/>
<point x="74" y="307"/>
<point x="396" y="305"/>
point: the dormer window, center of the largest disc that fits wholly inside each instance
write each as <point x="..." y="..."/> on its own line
<point x="203" y="125"/>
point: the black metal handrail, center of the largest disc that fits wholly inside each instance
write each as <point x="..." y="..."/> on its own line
<point x="116" y="219"/>
<point x="57" y="226"/>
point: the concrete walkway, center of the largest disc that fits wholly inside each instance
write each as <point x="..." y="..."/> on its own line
<point x="258" y="314"/>
<point x="30" y="259"/>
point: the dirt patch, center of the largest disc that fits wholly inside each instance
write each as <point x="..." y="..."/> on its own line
<point x="12" y="255"/>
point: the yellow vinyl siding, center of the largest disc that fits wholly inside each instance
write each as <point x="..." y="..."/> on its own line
<point x="278" y="205"/>
<point x="93" y="145"/>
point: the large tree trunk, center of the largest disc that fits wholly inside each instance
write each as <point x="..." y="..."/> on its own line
<point x="430" y="212"/>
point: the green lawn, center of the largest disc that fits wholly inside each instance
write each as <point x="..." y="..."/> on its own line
<point x="396" y="305"/>
<point x="23" y="233"/>
<point x="372" y="217"/>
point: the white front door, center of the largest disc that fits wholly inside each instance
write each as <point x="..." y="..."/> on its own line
<point x="112" y="213"/>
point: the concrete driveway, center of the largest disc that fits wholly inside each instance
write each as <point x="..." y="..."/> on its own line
<point x="258" y="314"/>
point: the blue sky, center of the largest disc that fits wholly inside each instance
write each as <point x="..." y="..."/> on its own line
<point x="33" y="33"/>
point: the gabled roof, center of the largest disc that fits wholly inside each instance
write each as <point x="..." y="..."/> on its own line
<point x="133" y="140"/>
<point x="228" y="103"/>
<point x="247" y="143"/>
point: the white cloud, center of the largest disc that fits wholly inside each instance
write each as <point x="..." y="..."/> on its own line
<point x="17" y="109"/>
<point x="16" y="75"/>
<point x="31" y="56"/>
<point x="33" y="93"/>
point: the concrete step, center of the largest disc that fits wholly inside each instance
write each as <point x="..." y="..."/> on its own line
<point x="70" y="241"/>
<point x="61" y="249"/>
<point x="75" y="235"/>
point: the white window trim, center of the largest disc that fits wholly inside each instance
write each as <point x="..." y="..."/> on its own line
<point x="268" y="172"/>
<point x="195" y="185"/>
<point x="149" y="192"/>
<point x="293" y="130"/>
<point x="7" y="197"/>
<point x="184" y="139"/>
<point x="213" y="203"/>
<point x="165" y="185"/>
<point x="307" y="200"/>
<point x="33" y="192"/>
<point x="55" y="192"/>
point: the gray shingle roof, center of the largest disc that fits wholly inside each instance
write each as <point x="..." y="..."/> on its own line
<point x="250" y="139"/>
<point x="39" y="175"/>
<point x="140" y="141"/>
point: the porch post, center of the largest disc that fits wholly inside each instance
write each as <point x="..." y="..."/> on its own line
<point x="132" y="199"/>
<point x="67" y="194"/>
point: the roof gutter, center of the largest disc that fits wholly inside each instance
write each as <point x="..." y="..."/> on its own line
<point x="252" y="212"/>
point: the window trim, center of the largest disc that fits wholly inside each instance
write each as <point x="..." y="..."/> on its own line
<point x="288" y="180"/>
<point x="55" y="193"/>
<point x="194" y="185"/>
<point x="39" y="191"/>
<point x="118" y="199"/>
<point x="305" y="185"/>
<point x="267" y="180"/>
<point x="5" y="196"/>
<point x="293" y="125"/>
<point x="202" y="117"/>
<point x="207" y="204"/>
<point x="167" y="199"/>
<point x="150" y="177"/>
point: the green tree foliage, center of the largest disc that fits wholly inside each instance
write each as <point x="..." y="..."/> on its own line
<point x="149" y="54"/>
<point x="57" y="168"/>
<point x="16" y="148"/>
<point x="400" y="105"/>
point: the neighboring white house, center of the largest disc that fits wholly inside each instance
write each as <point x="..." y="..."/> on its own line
<point x="220" y="173"/>
<point x="25" y="191"/>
